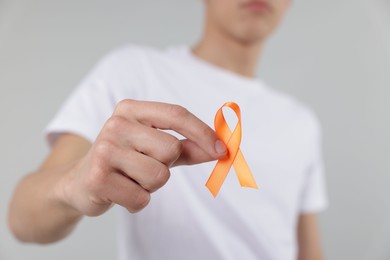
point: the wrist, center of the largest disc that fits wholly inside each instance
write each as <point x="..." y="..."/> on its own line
<point x="64" y="191"/>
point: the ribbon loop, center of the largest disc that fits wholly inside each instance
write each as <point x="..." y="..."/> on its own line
<point x="234" y="156"/>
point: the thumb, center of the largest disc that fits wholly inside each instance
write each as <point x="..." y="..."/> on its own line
<point x="193" y="154"/>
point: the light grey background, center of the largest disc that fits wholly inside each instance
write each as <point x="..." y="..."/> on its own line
<point x="332" y="54"/>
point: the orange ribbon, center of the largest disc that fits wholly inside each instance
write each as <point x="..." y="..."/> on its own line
<point x="234" y="156"/>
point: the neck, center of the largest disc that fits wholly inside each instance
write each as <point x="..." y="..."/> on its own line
<point x="228" y="53"/>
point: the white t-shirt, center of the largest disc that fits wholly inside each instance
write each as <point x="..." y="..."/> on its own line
<point x="281" y="142"/>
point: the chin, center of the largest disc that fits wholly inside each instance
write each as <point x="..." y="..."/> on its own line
<point x="253" y="36"/>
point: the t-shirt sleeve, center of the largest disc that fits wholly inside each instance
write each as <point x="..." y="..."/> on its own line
<point x="88" y="107"/>
<point x="314" y="197"/>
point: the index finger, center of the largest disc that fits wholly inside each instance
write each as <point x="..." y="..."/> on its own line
<point x="173" y="117"/>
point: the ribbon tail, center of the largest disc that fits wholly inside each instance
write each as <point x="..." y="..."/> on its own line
<point x="218" y="176"/>
<point x="243" y="172"/>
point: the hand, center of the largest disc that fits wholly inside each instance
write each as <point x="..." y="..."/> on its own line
<point x="131" y="156"/>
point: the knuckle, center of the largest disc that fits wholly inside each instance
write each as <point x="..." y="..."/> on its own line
<point x="103" y="150"/>
<point x="124" y="105"/>
<point x="178" y="111"/>
<point x="161" y="176"/>
<point x="142" y="199"/>
<point x="171" y="151"/>
<point x="206" y="131"/>
<point x="175" y="148"/>
<point x="115" y="123"/>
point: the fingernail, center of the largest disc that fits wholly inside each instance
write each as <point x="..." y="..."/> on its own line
<point x="220" y="147"/>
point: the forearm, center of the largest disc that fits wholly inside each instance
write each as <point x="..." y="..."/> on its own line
<point x="38" y="212"/>
<point x="309" y="245"/>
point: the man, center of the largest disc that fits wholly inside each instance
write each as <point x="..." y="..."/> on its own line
<point x="112" y="143"/>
